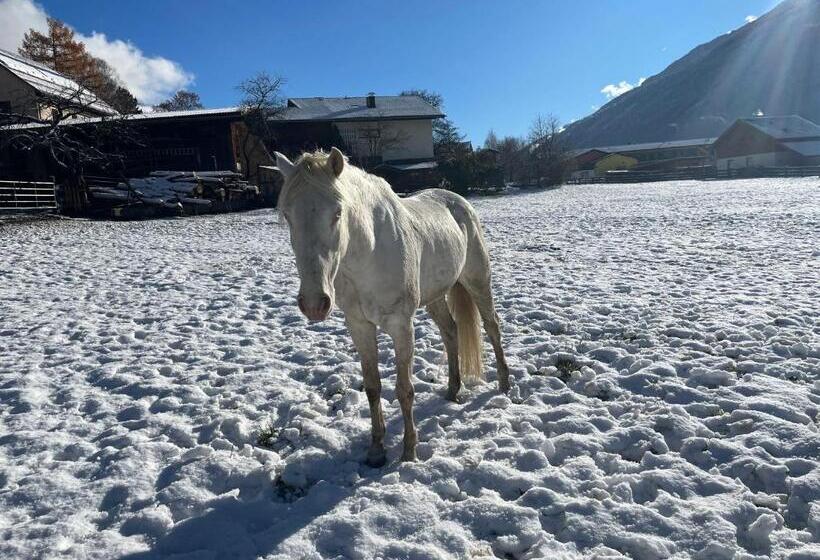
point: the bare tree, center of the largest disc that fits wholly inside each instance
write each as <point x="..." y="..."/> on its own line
<point x="181" y="101"/>
<point x="261" y="103"/>
<point x="547" y="153"/>
<point x="491" y="141"/>
<point x="55" y="129"/>
<point x="511" y="158"/>
<point x="379" y="138"/>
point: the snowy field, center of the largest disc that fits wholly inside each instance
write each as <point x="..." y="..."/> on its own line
<point x="162" y="397"/>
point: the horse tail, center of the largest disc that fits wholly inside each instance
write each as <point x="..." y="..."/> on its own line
<point x="468" y="323"/>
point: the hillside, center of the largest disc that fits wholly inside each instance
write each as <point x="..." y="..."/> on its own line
<point x="768" y="65"/>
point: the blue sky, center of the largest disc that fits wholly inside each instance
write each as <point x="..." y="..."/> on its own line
<point x="497" y="64"/>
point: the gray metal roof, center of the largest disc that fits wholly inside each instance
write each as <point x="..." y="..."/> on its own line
<point x="50" y="82"/>
<point x="419" y="166"/>
<point x="654" y="145"/>
<point x="786" y="127"/>
<point x="388" y="107"/>
<point x="810" y="148"/>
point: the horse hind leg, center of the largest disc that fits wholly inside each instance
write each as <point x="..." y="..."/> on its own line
<point x="440" y="313"/>
<point x="483" y="298"/>
<point x="476" y="279"/>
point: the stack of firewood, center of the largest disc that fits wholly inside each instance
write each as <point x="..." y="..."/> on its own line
<point x="176" y="189"/>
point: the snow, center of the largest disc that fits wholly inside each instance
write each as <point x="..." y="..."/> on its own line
<point x="162" y="397"/>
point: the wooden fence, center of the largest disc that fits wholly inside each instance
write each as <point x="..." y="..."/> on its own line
<point x="766" y="172"/>
<point x="27" y="196"/>
<point x="700" y="173"/>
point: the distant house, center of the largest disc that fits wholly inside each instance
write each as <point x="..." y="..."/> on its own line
<point x="664" y="156"/>
<point x="650" y="156"/>
<point x="390" y="135"/>
<point x="761" y="142"/>
<point x="32" y="89"/>
<point x="583" y="163"/>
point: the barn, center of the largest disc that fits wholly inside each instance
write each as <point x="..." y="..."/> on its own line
<point x="766" y="142"/>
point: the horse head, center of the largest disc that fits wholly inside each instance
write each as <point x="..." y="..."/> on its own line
<point x="311" y="202"/>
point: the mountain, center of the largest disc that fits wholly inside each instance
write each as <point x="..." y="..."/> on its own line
<point x="771" y="65"/>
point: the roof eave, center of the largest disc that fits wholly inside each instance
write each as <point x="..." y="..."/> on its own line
<point x="362" y="119"/>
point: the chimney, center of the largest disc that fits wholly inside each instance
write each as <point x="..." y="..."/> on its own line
<point x="371" y="100"/>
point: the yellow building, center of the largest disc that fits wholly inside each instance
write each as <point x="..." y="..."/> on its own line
<point x="614" y="162"/>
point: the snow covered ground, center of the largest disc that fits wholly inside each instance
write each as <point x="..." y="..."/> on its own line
<point x="162" y="397"/>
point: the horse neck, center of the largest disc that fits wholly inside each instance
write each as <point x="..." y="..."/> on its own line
<point x="374" y="205"/>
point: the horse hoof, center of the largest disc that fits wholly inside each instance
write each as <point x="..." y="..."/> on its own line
<point x="409" y="456"/>
<point x="452" y="396"/>
<point x="376" y="462"/>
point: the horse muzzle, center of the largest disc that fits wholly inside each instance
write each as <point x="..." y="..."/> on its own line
<point x="315" y="308"/>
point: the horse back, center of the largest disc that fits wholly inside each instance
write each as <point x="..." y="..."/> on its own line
<point x="443" y="223"/>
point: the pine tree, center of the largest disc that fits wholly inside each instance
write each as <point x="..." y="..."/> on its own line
<point x="59" y="49"/>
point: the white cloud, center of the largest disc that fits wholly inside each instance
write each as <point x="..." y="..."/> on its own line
<point x="150" y="78"/>
<point x="750" y="19"/>
<point x="614" y="90"/>
<point x="17" y="17"/>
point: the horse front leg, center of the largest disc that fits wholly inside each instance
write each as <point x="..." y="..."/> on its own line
<point x="401" y="331"/>
<point x="363" y="333"/>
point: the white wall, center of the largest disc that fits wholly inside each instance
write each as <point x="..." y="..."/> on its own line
<point x="751" y="160"/>
<point x="17" y="92"/>
<point x="397" y="140"/>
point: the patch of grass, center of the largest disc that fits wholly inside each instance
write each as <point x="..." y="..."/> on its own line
<point x="268" y="435"/>
<point x="565" y="368"/>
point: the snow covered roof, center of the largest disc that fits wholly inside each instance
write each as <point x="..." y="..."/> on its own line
<point x="419" y="166"/>
<point x="809" y="148"/>
<point x="301" y="109"/>
<point x="786" y="127"/>
<point x="160" y="115"/>
<point x="50" y="82"/>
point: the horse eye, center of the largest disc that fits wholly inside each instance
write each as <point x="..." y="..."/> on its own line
<point x="337" y="216"/>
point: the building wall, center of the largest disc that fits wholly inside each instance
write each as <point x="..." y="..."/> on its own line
<point x="17" y="93"/>
<point x="390" y="140"/>
<point x="741" y="140"/>
<point x="769" y="159"/>
<point x="25" y="100"/>
<point x="750" y="160"/>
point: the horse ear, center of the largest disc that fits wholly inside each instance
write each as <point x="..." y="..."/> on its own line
<point x="283" y="164"/>
<point x="337" y="161"/>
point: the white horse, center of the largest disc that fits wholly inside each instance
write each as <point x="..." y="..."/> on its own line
<point x="379" y="258"/>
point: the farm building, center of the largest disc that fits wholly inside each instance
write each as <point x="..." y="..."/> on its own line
<point x="196" y="140"/>
<point x="31" y="89"/>
<point x="583" y="163"/>
<point x="761" y="142"/>
<point x="614" y="162"/>
<point x="653" y="156"/>
<point x="667" y="155"/>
